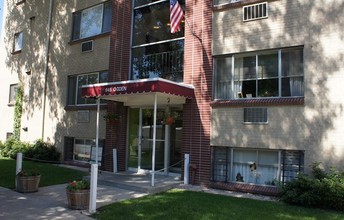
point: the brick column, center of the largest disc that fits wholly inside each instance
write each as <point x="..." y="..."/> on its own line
<point x="198" y="71"/>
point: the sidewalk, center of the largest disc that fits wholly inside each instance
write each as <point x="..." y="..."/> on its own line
<point x="51" y="202"/>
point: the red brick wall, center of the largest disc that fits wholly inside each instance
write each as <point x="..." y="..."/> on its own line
<point x="198" y="71"/>
<point x="118" y="71"/>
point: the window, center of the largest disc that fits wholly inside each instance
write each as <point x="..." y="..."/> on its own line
<point x="275" y="73"/>
<point x="76" y="82"/>
<point x="82" y="148"/>
<point x="263" y="167"/>
<point x="92" y="21"/>
<point x="18" y="42"/>
<point x="19" y="1"/>
<point x="256" y="11"/>
<point x="155" y="51"/>
<point x="13" y="94"/>
<point x="9" y="135"/>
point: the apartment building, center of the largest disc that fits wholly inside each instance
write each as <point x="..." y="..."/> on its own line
<point x="277" y="68"/>
<point x="253" y="87"/>
<point x="51" y="48"/>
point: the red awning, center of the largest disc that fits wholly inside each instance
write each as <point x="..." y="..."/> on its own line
<point x="140" y="92"/>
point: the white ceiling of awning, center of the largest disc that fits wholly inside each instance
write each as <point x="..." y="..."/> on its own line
<point x="146" y="99"/>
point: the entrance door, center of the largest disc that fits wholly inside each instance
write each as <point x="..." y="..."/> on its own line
<point x="168" y="140"/>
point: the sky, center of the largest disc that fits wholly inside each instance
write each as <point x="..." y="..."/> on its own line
<point x="1" y="10"/>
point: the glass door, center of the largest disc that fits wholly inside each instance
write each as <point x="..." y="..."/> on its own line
<point x="168" y="140"/>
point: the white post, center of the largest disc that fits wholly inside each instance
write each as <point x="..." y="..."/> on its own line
<point x="154" y="138"/>
<point x="114" y="160"/>
<point x="19" y="162"/>
<point x="186" y="168"/>
<point x="93" y="190"/>
<point x="19" y="165"/>
<point x="139" y="150"/>
<point x="97" y="129"/>
<point x="167" y="148"/>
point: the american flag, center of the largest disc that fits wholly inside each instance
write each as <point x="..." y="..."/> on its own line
<point x="176" y="15"/>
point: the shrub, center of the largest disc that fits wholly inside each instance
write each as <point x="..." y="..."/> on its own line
<point x="17" y="147"/>
<point x="42" y="151"/>
<point x="323" y="190"/>
<point x="39" y="150"/>
<point x="7" y="147"/>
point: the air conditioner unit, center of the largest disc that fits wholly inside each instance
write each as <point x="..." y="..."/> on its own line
<point x="87" y="46"/>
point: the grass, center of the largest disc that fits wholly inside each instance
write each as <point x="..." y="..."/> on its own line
<point x="50" y="174"/>
<point x="181" y="204"/>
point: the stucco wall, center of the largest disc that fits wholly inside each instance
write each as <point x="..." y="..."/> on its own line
<point x="65" y="58"/>
<point x="316" y="126"/>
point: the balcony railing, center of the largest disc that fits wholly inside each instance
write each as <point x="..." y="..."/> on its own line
<point x="168" y="65"/>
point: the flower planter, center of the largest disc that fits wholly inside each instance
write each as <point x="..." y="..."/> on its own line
<point x="79" y="199"/>
<point x="27" y="184"/>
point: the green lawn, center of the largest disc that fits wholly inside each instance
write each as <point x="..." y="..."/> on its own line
<point x="181" y="204"/>
<point x="50" y="174"/>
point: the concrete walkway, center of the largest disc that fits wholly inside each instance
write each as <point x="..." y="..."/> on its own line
<point x="51" y="202"/>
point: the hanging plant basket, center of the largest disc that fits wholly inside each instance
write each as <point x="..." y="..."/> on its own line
<point x="111" y="118"/>
<point x="169" y="121"/>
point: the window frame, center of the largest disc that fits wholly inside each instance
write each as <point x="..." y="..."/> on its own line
<point x="16" y="37"/>
<point x="77" y="21"/>
<point x="15" y="88"/>
<point x="233" y="81"/>
<point x="173" y="39"/>
<point x="85" y="141"/>
<point x="223" y="160"/>
<point x="73" y="87"/>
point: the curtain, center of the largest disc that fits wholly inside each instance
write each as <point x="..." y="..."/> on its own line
<point x="296" y="86"/>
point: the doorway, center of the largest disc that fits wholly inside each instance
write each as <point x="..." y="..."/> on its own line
<point x="168" y="139"/>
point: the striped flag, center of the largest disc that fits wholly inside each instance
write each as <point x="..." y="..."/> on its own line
<point x="176" y="15"/>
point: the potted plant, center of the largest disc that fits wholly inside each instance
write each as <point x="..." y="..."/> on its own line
<point x="28" y="180"/>
<point x="111" y="117"/>
<point x="78" y="194"/>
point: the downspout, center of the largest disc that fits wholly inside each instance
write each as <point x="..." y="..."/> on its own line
<point x="46" y="66"/>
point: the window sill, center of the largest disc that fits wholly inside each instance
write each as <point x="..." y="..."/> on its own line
<point x="84" y="107"/>
<point x="258" y="102"/>
<point x="72" y="42"/>
<point x="16" y="52"/>
<point x="20" y="2"/>
<point x="11" y="104"/>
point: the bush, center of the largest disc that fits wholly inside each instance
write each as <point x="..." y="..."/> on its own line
<point x="42" y="151"/>
<point x="7" y="147"/>
<point x="323" y="190"/>
<point x="17" y="147"/>
<point x="39" y="150"/>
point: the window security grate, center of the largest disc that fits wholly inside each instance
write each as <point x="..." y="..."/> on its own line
<point x="256" y="11"/>
<point x="255" y="115"/>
